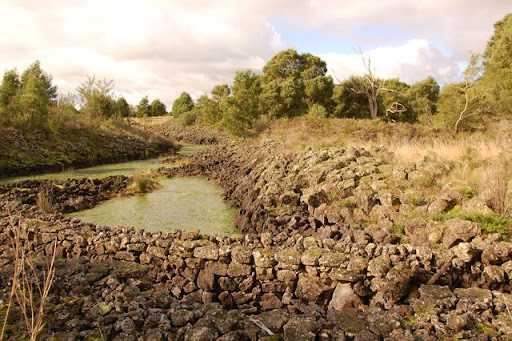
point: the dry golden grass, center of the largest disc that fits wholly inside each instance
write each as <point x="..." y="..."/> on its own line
<point x="477" y="160"/>
<point x="408" y="142"/>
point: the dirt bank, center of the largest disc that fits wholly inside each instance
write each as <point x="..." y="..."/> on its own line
<point x="24" y="152"/>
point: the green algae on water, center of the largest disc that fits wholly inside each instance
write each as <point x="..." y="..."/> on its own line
<point x="182" y="203"/>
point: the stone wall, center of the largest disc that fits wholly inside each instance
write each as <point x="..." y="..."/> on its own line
<point x="257" y="273"/>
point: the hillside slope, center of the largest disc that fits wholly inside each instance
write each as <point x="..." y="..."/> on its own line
<point x="26" y="152"/>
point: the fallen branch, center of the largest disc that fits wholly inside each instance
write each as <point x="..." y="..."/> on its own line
<point x="441" y="271"/>
<point x="261" y="325"/>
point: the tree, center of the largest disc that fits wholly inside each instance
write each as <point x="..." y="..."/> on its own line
<point x="241" y="109"/>
<point x="96" y="97"/>
<point x="143" y="108"/>
<point x="292" y="83"/>
<point x="423" y="96"/>
<point x="27" y="98"/>
<point x="158" y="108"/>
<point x="44" y="81"/>
<point x="369" y="86"/>
<point x="182" y="104"/>
<point x="209" y="109"/>
<point x="497" y="67"/>
<point x="460" y="103"/>
<point x="471" y="93"/>
<point x="122" y="107"/>
<point x="9" y="89"/>
<point x="347" y="103"/>
<point x="219" y="92"/>
<point x="33" y="101"/>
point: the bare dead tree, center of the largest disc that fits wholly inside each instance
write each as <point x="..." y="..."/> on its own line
<point x="370" y="86"/>
<point x="468" y="99"/>
<point x="471" y="95"/>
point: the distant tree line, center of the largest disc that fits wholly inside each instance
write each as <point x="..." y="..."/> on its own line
<point x="291" y="85"/>
<point x="30" y="101"/>
<point x="294" y="84"/>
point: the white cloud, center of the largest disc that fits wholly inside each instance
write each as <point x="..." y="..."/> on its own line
<point x="412" y="61"/>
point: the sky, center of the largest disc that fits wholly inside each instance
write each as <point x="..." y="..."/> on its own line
<point x="160" y="48"/>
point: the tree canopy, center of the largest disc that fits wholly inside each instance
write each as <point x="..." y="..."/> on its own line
<point x="497" y="66"/>
<point x="292" y="83"/>
<point x="182" y="104"/>
<point x="158" y="108"/>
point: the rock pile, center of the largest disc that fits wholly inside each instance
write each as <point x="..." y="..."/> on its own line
<point x="307" y="267"/>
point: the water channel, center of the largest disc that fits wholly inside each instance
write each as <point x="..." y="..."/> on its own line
<point x="181" y="202"/>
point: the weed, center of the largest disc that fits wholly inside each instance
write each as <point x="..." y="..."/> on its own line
<point x="489" y="222"/>
<point x="467" y="192"/>
<point x="397" y="228"/>
<point x="332" y="197"/>
<point x="44" y="202"/>
<point x="346" y="203"/>
<point x="497" y="182"/>
<point x="143" y="183"/>
<point x="27" y="285"/>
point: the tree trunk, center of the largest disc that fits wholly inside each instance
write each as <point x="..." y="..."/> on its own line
<point x="374" y="106"/>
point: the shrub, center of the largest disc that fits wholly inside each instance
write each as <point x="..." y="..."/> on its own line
<point x="467" y="192"/>
<point x="188" y="118"/>
<point x="496" y="181"/>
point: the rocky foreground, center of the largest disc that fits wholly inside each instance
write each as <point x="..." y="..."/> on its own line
<point x="334" y="246"/>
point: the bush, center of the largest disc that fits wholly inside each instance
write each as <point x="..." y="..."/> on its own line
<point x="188" y="118"/>
<point x="317" y="110"/>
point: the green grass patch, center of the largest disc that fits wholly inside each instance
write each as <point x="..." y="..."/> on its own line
<point x="418" y="201"/>
<point x="467" y="192"/>
<point x="397" y="228"/>
<point x="489" y="222"/>
<point x="345" y="203"/>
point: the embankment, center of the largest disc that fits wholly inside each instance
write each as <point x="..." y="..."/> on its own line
<point x="30" y="152"/>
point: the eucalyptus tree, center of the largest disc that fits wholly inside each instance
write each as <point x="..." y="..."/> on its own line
<point x="182" y="104"/>
<point x="292" y="83"/>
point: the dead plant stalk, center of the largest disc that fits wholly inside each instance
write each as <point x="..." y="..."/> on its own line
<point x="25" y="282"/>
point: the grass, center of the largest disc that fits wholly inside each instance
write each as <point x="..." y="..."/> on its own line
<point x="143" y="183"/>
<point x="489" y="222"/>
<point x="345" y="203"/>
<point x="29" y="290"/>
<point x="397" y="228"/>
<point x="44" y="202"/>
<point x="477" y="164"/>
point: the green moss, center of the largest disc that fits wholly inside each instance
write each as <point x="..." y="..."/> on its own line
<point x="94" y="335"/>
<point x="424" y="310"/>
<point x="345" y="203"/>
<point x="397" y="228"/>
<point x="486" y="329"/>
<point x="316" y="251"/>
